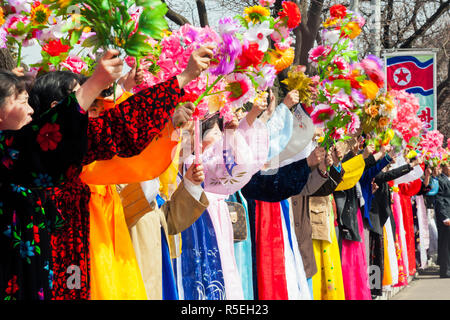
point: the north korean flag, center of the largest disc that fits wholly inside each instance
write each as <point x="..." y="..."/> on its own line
<point x="408" y="73"/>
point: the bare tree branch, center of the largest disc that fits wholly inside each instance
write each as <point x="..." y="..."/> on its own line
<point x="443" y="88"/>
<point x="387" y="23"/>
<point x="441" y="10"/>
<point x="202" y="13"/>
<point x="175" y="17"/>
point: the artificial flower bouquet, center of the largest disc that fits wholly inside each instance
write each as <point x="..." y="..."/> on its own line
<point x="407" y="123"/>
<point x="124" y="25"/>
<point x="21" y="22"/>
<point x="341" y="90"/>
<point x="306" y="86"/>
<point x="432" y="148"/>
<point x="378" y="113"/>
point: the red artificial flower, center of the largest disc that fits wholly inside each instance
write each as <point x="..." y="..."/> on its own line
<point x="49" y="136"/>
<point x="55" y="47"/>
<point x="292" y="12"/>
<point x="338" y="11"/>
<point x="251" y="56"/>
<point x="12" y="286"/>
<point x="37" y="239"/>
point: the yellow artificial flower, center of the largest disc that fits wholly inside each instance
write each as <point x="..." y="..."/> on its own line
<point x="255" y="13"/>
<point x="216" y="102"/>
<point x="330" y="22"/>
<point x="261" y="96"/>
<point x="64" y="3"/>
<point x="372" y="111"/>
<point x="395" y="189"/>
<point x="383" y="122"/>
<point x="166" y="33"/>
<point x="352" y="29"/>
<point x="119" y="42"/>
<point x="390" y="105"/>
<point x="297" y="80"/>
<point x="39" y="14"/>
<point x="2" y="16"/>
<point x="281" y="59"/>
<point x="369" y="89"/>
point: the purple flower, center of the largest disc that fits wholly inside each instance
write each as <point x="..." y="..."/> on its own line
<point x="266" y="77"/>
<point x="228" y="25"/>
<point x="230" y="49"/>
<point x="358" y="97"/>
<point x="377" y="60"/>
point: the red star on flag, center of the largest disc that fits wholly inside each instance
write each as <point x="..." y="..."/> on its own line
<point x="402" y="76"/>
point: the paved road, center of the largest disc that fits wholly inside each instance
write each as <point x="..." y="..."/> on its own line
<point x="427" y="286"/>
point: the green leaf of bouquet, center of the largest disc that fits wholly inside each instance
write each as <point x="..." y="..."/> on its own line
<point x="55" y="60"/>
<point x="148" y="3"/>
<point x="242" y="21"/>
<point x="75" y="36"/>
<point x="105" y="5"/>
<point x="342" y="83"/>
<point x="90" y="42"/>
<point x="152" y="21"/>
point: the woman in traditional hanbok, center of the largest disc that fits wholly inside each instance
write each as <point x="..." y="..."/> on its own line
<point x="229" y="159"/>
<point x="34" y="156"/>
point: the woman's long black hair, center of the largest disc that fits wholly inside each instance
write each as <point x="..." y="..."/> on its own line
<point x="52" y="86"/>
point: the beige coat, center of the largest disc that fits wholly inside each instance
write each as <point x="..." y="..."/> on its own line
<point x="302" y="223"/>
<point x="145" y="221"/>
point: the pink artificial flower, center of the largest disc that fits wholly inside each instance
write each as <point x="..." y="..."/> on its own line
<point x="342" y="100"/>
<point x="372" y="66"/>
<point x="267" y="3"/>
<point x="359" y="19"/>
<point x="341" y="64"/>
<point x="354" y="123"/>
<point x="20" y="5"/>
<point x="317" y="52"/>
<point x="280" y="33"/>
<point x="285" y="44"/>
<point x="338" y="134"/>
<point x="267" y="77"/>
<point x="432" y="141"/>
<point x="3" y="38"/>
<point x="11" y="25"/>
<point x="240" y="89"/>
<point x="321" y="113"/>
<point x="201" y="110"/>
<point x="74" y="64"/>
<point x="226" y="113"/>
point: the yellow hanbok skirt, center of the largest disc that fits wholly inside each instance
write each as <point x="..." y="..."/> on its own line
<point x="115" y="273"/>
<point x="328" y="283"/>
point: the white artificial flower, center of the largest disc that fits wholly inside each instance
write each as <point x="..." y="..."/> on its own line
<point x="258" y="33"/>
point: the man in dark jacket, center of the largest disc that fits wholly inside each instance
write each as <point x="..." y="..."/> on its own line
<point x="442" y="208"/>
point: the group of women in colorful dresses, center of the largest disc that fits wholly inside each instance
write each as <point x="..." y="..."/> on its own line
<point x="102" y="197"/>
